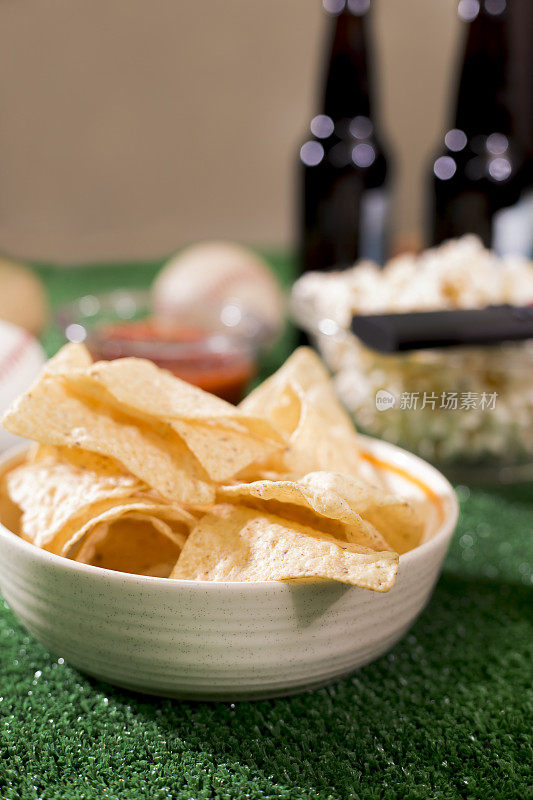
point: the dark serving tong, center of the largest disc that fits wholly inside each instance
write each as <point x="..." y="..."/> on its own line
<point x="392" y="333"/>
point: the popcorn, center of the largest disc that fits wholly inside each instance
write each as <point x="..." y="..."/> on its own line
<point x="459" y="274"/>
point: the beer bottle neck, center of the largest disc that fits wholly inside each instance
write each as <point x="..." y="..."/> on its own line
<point x="347" y="90"/>
<point x="483" y="103"/>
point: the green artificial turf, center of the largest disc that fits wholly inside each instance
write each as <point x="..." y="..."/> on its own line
<point x="445" y="714"/>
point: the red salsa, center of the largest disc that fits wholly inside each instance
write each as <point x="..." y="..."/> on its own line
<point x="208" y="359"/>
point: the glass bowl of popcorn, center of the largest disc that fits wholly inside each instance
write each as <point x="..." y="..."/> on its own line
<point x="468" y="410"/>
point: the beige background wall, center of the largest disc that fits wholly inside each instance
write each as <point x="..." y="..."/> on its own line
<point x="129" y="127"/>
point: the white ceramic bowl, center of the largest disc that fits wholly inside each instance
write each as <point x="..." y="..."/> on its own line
<point x="227" y="641"/>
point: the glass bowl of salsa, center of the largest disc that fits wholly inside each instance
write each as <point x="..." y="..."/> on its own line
<point x="199" y="347"/>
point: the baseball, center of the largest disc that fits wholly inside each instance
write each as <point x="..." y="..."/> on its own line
<point x="220" y="276"/>
<point x="21" y="360"/>
<point x="22" y="296"/>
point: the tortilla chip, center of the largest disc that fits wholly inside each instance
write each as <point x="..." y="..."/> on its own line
<point x="313" y="506"/>
<point x="50" y="491"/>
<point x="223" y="439"/>
<point x="179" y="521"/>
<point x="70" y="356"/>
<point x="397" y="519"/>
<point x="77" y="459"/>
<point x="10" y="512"/>
<point x="239" y="544"/>
<point x="279" y="402"/>
<point x="124" y="446"/>
<point x="303" y="370"/>
<point x="318" y="431"/>
<point x="325" y="437"/>
<point x="50" y="414"/>
<point x="137" y="543"/>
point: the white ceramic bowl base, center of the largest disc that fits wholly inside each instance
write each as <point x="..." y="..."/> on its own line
<point x="225" y="641"/>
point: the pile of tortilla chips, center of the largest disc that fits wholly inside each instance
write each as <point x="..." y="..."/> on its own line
<point x="137" y="471"/>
